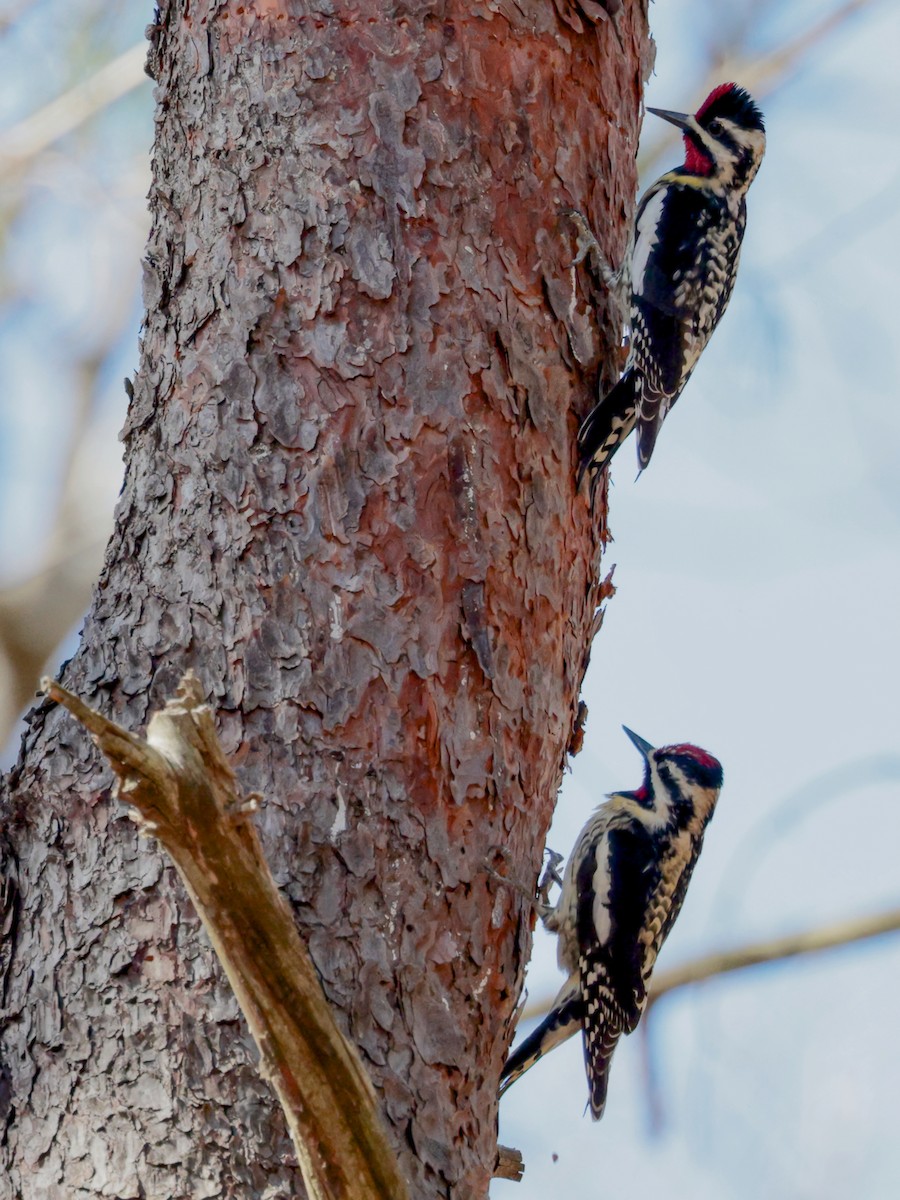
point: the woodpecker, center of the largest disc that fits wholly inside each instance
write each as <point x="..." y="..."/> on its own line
<point x="622" y="889"/>
<point x="682" y="263"/>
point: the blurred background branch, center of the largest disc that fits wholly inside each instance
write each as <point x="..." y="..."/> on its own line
<point x="835" y="936"/>
<point x="76" y="121"/>
<point x="31" y="136"/>
<point x="761" y="72"/>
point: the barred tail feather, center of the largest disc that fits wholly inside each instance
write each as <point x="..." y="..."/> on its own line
<point x="562" y="1022"/>
<point x="605" y="428"/>
<point x="653" y="411"/>
<point x="599" y="1044"/>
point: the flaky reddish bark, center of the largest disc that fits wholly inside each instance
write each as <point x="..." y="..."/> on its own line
<point x="350" y="506"/>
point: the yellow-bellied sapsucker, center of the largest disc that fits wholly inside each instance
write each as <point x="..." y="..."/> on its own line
<point x="623" y="887"/>
<point x="683" y="263"/>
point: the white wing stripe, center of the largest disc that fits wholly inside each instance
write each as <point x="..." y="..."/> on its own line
<point x="645" y="238"/>
<point x="602" y="882"/>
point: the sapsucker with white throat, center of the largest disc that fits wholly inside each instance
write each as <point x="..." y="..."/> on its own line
<point x="682" y="264"/>
<point x="622" y="889"/>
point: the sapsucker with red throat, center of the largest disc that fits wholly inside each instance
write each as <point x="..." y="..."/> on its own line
<point x="682" y="263"/>
<point x="622" y="889"/>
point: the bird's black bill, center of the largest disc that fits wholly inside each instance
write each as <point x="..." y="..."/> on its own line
<point x="642" y="745"/>
<point x="682" y="120"/>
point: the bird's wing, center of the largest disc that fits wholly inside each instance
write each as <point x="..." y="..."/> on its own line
<point x="614" y="886"/>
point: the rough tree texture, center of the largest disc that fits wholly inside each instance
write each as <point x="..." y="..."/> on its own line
<point x="349" y="505"/>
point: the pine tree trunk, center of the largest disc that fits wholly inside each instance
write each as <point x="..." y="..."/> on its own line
<point x="349" y="504"/>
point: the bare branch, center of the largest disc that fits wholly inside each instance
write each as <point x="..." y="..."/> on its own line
<point x="42" y="128"/>
<point x="510" y="1164"/>
<point x="811" y="941"/>
<point x="764" y="72"/>
<point x="182" y="789"/>
<point x="760" y="73"/>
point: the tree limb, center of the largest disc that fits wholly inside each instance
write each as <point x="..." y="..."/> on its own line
<point x="809" y="941"/>
<point x="509" y="1164"/>
<point x="48" y="124"/>
<point x="760" y="73"/>
<point x="183" y="791"/>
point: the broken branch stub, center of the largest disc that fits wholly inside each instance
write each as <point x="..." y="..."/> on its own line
<point x="182" y="790"/>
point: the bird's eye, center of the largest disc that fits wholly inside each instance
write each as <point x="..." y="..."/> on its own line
<point x="716" y="126"/>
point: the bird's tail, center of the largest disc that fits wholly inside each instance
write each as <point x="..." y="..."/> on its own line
<point x="599" y="1044"/>
<point x="605" y="428"/>
<point x="562" y="1022"/>
<point x="652" y="411"/>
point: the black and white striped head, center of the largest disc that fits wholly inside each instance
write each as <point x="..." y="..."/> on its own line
<point x="681" y="783"/>
<point x="725" y="139"/>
